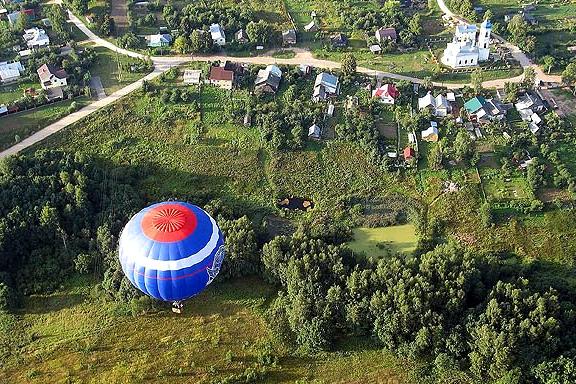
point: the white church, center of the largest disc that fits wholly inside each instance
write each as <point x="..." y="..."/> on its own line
<point x="468" y="48"/>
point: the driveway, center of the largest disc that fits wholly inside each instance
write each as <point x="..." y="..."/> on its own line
<point x="97" y="88"/>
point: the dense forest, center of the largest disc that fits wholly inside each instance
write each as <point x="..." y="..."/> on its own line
<point x="460" y="310"/>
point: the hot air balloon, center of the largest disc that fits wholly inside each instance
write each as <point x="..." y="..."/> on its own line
<point x="171" y="250"/>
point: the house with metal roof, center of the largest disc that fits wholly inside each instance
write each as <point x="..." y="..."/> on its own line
<point x="221" y="77"/>
<point x="10" y="71"/>
<point x="480" y="109"/>
<point x="314" y="132"/>
<point x="339" y="40"/>
<point x="387" y="93"/>
<point x="218" y="36"/>
<point x="241" y="36"/>
<point x="268" y="79"/>
<point x="52" y="77"/>
<point x="36" y="38"/>
<point x="311" y="27"/>
<point x="158" y="40"/>
<point x="326" y="85"/>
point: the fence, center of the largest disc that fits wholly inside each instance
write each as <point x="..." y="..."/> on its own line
<point x="49" y="102"/>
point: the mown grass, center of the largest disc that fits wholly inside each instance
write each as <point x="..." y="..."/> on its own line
<point x="381" y="242"/>
<point x="108" y="68"/>
<point x="77" y="335"/>
<point x="14" y="91"/>
<point x="24" y="124"/>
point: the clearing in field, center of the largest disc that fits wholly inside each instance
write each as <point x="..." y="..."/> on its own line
<point x="381" y="241"/>
<point x="72" y="336"/>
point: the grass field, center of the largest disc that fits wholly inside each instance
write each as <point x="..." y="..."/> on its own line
<point x="380" y="241"/>
<point x="15" y="91"/>
<point x="113" y="78"/>
<point x="77" y="336"/>
<point x="26" y="123"/>
<point x="501" y="188"/>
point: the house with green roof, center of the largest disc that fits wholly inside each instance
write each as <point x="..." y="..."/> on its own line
<point x="483" y="110"/>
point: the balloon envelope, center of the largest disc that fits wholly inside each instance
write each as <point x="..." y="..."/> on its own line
<point x="171" y="251"/>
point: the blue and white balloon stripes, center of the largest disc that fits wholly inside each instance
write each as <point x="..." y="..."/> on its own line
<point x="171" y="251"/>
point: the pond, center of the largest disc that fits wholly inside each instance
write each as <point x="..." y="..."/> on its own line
<point x="295" y="203"/>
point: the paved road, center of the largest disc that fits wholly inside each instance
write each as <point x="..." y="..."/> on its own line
<point x="76" y="116"/>
<point x="162" y="63"/>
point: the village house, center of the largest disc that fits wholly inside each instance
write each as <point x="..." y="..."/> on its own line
<point x="431" y="134"/>
<point x="326" y="85"/>
<point x="339" y="40"/>
<point x="158" y="40"/>
<point x="268" y="80"/>
<point x="384" y="34"/>
<point x="483" y="110"/>
<point x="36" y="38"/>
<point x="305" y="69"/>
<point x="289" y="37"/>
<point x="13" y="17"/>
<point x="241" y="36"/>
<point x="218" y="36"/>
<point x="221" y="77"/>
<point x="10" y="72"/>
<point x="466" y="49"/>
<point x="439" y="105"/>
<point x="311" y="27"/>
<point x="314" y="132"/>
<point x="192" y="76"/>
<point x="387" y="93"/>
<point x="530" y="106"/>
<point x="52" y="77"/>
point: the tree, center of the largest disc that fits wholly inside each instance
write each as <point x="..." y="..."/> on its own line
<point x="535" y="174"/>
<point x="242" y="254"/>
<point x="182" y="44"/>
<point x="559" y="371"/>
<point x="436" y="157"/>
<point x="81" y="6"/>
<point x="486" y="214"/>
<point x="348" y="64"/>
<point x="260" y="32"/>
<point x="58" y="18"/>
<point x="488" y="15"/>
<point x="517" y="327"/>
<point x="415" y="25"/>
<point x="548" y="63"/>
<point x="529" y="77"/>
<point x="518" y="29"/>
<point x="569" y="76"/>
<point x="476" y="79"/>
<point x="22" y="22"/>
<point x="462" y="146"/>
<point x="200" y="41"/>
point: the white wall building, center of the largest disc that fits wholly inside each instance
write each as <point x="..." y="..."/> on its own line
<point x="10" y="71"/>
<point x="36" y="38"/>
<point x="469" y="47"/>
<point x="218" y="36"/>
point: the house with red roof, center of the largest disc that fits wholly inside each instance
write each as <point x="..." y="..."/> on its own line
<point x="409" y="153"/>
<point x="387" y="93"/>
<point x="221" y="77"/>
<point x="52" y="77"/>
